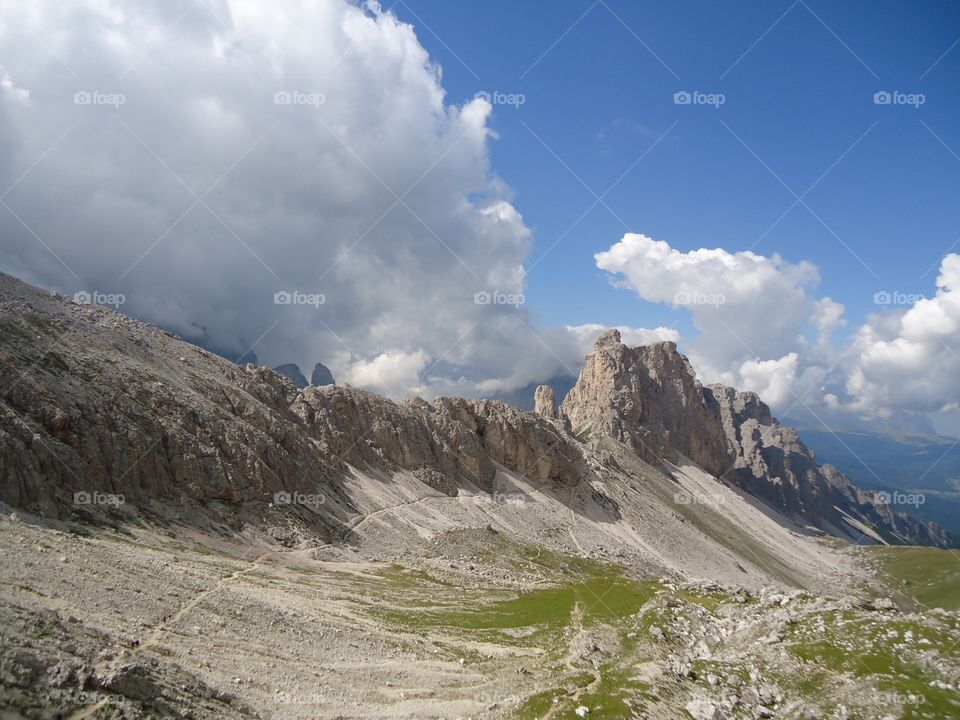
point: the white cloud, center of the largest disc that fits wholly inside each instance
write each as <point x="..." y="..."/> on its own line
<point x="755" y="314"/>
<point x="328" y="160"/>
<point x="555" y="352"/>
<point x="751" y="310"/>
<point x="910" y="359"/>
<point x="586" y="335"/>
<point x="390" y="373"/>
<point x="773" y="380"/>
<point x="827" y="318"/>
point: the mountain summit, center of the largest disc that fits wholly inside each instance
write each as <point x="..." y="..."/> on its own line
<point x="649" y="398"/>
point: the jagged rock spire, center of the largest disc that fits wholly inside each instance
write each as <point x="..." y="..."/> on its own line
<point x="545" y="402"/>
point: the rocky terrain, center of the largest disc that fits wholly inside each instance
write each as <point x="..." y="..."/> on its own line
<point x="183" y="537"/>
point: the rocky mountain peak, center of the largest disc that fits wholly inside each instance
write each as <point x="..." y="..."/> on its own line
<point x="610" y="337"/>
<point x="291" y="371"/>
<point x="117" y="406"/>
<point x="649" y="398"/>
<point x="321" y="375"/>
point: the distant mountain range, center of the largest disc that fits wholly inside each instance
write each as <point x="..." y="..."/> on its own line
<point x="321" y="375"/>
<point x="904" y="461"/>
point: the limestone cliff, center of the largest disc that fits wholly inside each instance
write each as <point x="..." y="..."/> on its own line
<point x="94" y="401"/>
<point x="649" y="398"/>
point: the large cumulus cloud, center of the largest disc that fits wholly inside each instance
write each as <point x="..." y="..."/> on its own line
<point x="752" y="311"/>
<point x="201" y="157"/>
<point x="911" y="359"/>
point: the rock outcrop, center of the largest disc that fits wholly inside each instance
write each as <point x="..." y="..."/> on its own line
<point x="291" y="371"/>
<point x="94" y="402"/>
<point x="771" y="462"/>
<point x="545" y="402"/>
<point x="649" y="398"/>
<point x="321" y="375"/>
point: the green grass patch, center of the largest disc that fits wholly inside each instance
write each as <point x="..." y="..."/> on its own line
<point x="604" y="598"/>
<point x="875" y="650"/>
<point x="929" y="576"/>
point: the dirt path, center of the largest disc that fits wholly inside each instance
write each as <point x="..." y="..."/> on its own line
<point x="576" y="622"/>
<point x="158" y="631"/>
<point x="573" y="525"/>
<point x="377" y="513"/>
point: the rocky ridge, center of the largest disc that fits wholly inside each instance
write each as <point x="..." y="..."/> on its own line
<point x="96" y="402"/>
<point x="649" y="398"/>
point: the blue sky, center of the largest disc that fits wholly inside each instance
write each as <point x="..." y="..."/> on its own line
<point x="800" y="98"/>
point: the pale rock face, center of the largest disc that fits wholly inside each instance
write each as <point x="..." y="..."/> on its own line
<point x="771" y="462"/>
<point x="521" y="441"/>
<point x="113" y="405"/>
<point x="545" y="402"/>
<point x="649" y="398"/>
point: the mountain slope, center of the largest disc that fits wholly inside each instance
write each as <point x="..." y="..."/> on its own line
<point x="901" y="463"/>
<point x="183" y="537"/>
<point x="649" y="397"/>
<point x="99" y="406"/>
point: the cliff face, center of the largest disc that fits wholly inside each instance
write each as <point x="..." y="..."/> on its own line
<point x="649" y="398"/>
<point x="94" y="401"/>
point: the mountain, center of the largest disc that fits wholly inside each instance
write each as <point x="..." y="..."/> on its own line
<point x="181" y="425"/>
<point x="908" y="465"/>
<point x="291" y="371"/>
<point x="184" y="537"/>
<point x="321" y="375"/>
<point x="649" y="397"/>
<point x="897" y="422"/>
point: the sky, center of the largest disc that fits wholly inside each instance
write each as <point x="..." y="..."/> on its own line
<point x="457" y="197"/>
